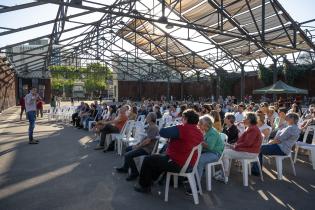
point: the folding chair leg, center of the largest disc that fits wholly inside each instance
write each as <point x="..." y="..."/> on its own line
<point x="293" y="167"/>
<point x="279" y="167"/>
<point x="296" y="152"/>
<point x="193" y="188"/>
<point x="223" y="170"/>
<point x="175" y="180"/>
<point x="198" y="182"/>
<point x="245" y="172"/>
<point x="260" y="170"/>
<point x="313" y="157"/>
<point x="208" y="177"/>
<point x="167" y="185"/>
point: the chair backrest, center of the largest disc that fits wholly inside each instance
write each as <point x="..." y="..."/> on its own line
<point x="127" y="129"/>
<point x="99" y="112"/>
<point x="224" y="137"/>
<point x="309" y="129"/>
<point x="159" y="123"/>
<point x="156" y="145"/>
<point x="178" y="120"/>
<point x="141" y="118"/>
<point x="197" y="148"/>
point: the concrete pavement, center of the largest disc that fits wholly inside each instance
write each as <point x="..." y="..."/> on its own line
<point x="64" y="172"/>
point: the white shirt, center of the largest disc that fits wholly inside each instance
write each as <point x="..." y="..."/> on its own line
<point x="239" y="117"/>
<point x="30" y="102"/>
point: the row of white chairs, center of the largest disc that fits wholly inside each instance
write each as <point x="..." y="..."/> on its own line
<point x="63" y="113"/>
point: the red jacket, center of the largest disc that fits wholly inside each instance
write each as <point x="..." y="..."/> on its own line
<point x="179" y="149"/>
<point x="249" y="141"/>
<point x="22" y="102"/>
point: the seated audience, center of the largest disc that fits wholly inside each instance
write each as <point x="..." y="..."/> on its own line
<point x="113" y="126"/>
<point x="76" y="113"/>
<point x="247" y="145"/>
<point x="282" y="142"/>
<point x="263" y="127"/>
<point x="212" y="145"/>
<point x="230" y="129"/>
<point x="183" y="138"/>
<point x="144" y="147"/>
<point x="157" y="111"/>
<point x="90" y="117"/>
<point x="133" y="113"/>
<point x="84" y="111"/>
<point x="217" y="124"/>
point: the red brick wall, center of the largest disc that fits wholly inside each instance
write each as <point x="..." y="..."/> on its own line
<point x="154" y="90"/>
<point x="7" y="88"/>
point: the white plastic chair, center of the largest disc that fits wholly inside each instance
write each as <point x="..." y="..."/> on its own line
<point x="191" y="176"/>
<point x="99" y="113"/>
<point x="304" y="145"/>
<point x="51" y="113"/>
<point x="159" y="123"/>
<point x="279" y="159"/>
<point x="210" y="168"/>
<point x="246" y="168"/>
<point x="139" y="160"/>
<point x="125" y="132"/>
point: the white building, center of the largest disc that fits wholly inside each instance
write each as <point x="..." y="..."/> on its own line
<point x="28" y="59"/>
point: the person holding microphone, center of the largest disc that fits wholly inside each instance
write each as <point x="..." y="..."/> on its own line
<point x="30" y="106"/>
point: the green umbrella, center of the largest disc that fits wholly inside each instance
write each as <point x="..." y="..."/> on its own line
<point x="280" y="88"/>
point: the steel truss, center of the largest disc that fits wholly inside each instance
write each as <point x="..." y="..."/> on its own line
<point x="237" y="35"/>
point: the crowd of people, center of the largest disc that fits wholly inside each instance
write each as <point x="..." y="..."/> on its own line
<point x="252" y="130"/>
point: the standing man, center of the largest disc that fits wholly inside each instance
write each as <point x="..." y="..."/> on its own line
<point x="30" y="106"/>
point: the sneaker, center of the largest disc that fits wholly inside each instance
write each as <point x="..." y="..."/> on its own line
<point x="226" y="179"/>
<point x="33" y="142"/>
<point x="220" y="178"/>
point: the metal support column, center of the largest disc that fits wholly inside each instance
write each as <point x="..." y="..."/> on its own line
<point x="182" y="87"/>
<point x="274" y="77"/>
<point x="168" y="89"/>
<point x="242" y="82"/>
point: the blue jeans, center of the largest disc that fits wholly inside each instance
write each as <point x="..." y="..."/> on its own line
<point x="31" y="115"/>
<point x="205" y="158"/>
<point x="86" y="122"/>
<point x="268" y="149"/>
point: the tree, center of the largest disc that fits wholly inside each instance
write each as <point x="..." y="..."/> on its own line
<point x="95" y="77"/>
<point x="306" y="58"/>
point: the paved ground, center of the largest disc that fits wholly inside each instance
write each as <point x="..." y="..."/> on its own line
<point x="64" y="172"/>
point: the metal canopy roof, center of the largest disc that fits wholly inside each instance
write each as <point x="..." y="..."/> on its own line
<point x="203" y="35"/>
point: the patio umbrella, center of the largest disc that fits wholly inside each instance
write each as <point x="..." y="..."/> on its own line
<point x="280" y="88"/>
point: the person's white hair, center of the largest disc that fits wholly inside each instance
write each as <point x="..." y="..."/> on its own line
<point x="207" y="120"/>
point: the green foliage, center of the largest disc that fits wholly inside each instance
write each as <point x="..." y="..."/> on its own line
<point x="265" y="74"/>
<point x="294" y="72"/>
<point x="290" y="72"/>
<point x="95" y="77"/>
<point x="226" y="81"/>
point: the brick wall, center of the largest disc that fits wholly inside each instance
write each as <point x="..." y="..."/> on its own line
<point x="7" y="87"/>
<point x="154" y="90"/>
